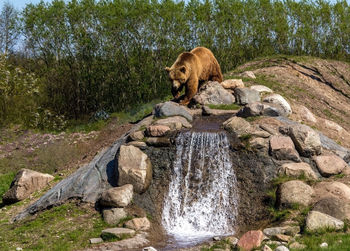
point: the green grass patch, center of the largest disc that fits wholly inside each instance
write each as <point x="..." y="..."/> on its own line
<point x="124" y="220"/>
<point x="336" y="241"/>
<point x="5" y="182"/>
<point x="225" y="107"/>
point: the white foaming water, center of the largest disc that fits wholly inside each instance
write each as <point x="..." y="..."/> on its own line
<point x="202" y="197"/>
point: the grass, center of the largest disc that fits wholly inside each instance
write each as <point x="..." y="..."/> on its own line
<point x="225" y="107"/>
<point x="5" y="182"/>
<point x="335" y="241"/>
<point x="66" y="227"/>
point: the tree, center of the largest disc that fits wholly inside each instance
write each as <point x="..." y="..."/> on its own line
<point x="9" y="28"/>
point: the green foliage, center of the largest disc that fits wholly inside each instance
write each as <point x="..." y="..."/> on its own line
<point x="225" y="107"/>
<point x="5" y="182"/>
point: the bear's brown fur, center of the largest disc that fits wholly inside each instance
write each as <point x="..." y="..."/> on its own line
<point x="190" y="68"/>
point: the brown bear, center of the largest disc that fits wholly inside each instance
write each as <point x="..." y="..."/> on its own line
<point x="189" y="69"/>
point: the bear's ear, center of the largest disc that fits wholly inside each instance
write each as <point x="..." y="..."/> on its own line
<point x="167" y="69"/>
<point x="183" y="69"/>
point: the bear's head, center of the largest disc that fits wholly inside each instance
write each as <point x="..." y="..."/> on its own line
<point x="177" y="76"/>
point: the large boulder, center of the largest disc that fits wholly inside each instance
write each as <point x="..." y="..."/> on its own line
<point x="282" y="148"/>
<point x="134" y="168"/>
<point x="298" y="169"/>
<point x="117" y="196"/>
<point x="138" y="224"/>
<point x="169" y="109"/>
<point x="333" y="206"/>
<point x="24" y="184"/>
<point x="251" y="240"/>
<point x="278" y="99"/>
<point x="335" y="188"/>
<point x="319" y="221"/>
<point x="330" y="164"/>
<point x="237" y="125"/>
<point x="112" y="216"/>
<point x="246" y="96"/>
<point x="157" y="130"/>
<point x="174" y="123"/>
<point x="232" y="83"/>
<point x="306" y="140"/>
<point x="294" y="192"/>
<point x="259" y="108"/>
<point x="213" y="93"/>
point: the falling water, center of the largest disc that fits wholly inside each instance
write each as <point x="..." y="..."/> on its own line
<point x="202" y="197"/>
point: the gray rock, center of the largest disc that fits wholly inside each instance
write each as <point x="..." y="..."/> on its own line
<point x="120" y="233"/>
<point x="279" y="100"/>
<point x="134" y="168"/>
<point x="330" y="164"/>
<point x="281" y="248"/>
<point x="282" y="148"/>
<point x="248" y="74"/>
<point x="288" y="230"/>
<point x="246" y="96"/>
<point x="174" y="123"/>
<point x="261" y="88"/>
<point x="298" y="169"/>
<point x="273" y="110"/>
<point x="306" y="140"/>
<point x="112" y="216"/>
<point x="332" y="206"/>
<point x="237" y="125"/>
<point x="24" y="184"/>
<point x="95" y="240"/>
<point x="117" y="196"/>
<point x="158" y="141"/>
<point x="294" y="192"/>
<point x="88" y="182"/>
<point x="259" y="108"/>
<point x="169" y="109"/>
<point x="317" y="221"/>
<point x="213" y="93"/>
<point x="139" y="224"/>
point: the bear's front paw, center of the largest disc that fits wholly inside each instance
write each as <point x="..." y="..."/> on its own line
<point x="184" y="102"/>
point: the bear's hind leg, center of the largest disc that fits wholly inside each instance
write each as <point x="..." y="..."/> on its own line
<point x="191" y="90"/>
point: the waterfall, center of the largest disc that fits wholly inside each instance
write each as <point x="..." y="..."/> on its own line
<point x="202" y="198"/>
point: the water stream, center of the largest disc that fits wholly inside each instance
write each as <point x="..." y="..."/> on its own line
<point x="202" y="200"/>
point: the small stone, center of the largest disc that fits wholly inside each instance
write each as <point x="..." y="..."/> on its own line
<point x="112" y="216"/>
<point x="297" y="245"/>
<point x="298" y="169"/>
<point x="248" y="74"/>
<point x="232" y="83"/>
<point x="117" y="196"/>
<point x="279" y="100"/>
<point x="19" y="249"/>
<point x="138" y="224"/>
<point x="281" y="248"/>
<point x="266" y="248"/>
<point x="250" y="240"/>
<point x="232" y="240"/>
<point x="158" y="141"/>
<point x="157" y="130"/>
<point x="138" y="135"/>
<point x="261" y="88"/>
<point x="117" y="232"/>
<point x="149" y="249"/>
<point x="216" y="238"/>
<point x="294" y="192"/>
<point x="288" y="230"/>
<point x="246" y="96"/>
<point x="276" y="243"/>
<point x="330" y="164"/>
<point x="283" y="237"/>
<point x="317" y="220"/>
<point x="94" y="240"/>
<point x="282" y="148"/>
<point x="324" y="245"/>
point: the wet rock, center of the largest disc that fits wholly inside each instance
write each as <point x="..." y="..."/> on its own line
<point x="266" y="248"/>
<point x="246" y="96"/>
<point x="298" y="169"/>
<point x="279" y="100"/>
<point x="134" y="168"/>
<point x="261" y="88"/>
<point x="329" y="164"/>
<point x="157" y="130"/>
<point x="135" y="136"/>
<point x="306" y="140"/>
<point x="317" y="221"/>
<point x="232" y="83"/>
<point x="117" y="196"/>
<point x="24" y="184"/>
<point x="251" y="240"/>
<point x="158" y="141"/>
<point x="294" y="192"/>
<point x="95" y="240"/>
<point x="297" y="245"/>
<point x="282" y="148"/>
<point x="237" y="125"/>
<point x="324" y="245"/>
<point x="248" y="74"/>
<point x="287" y="230"/>
<point x="213" y="93"/>
<point x="112" y="216"/>
<point x="138" y="224"/>
<point x="169" y="109"/>
<point x="174" y="123"/>
<point x="281" y="248"/>
<point x="140" y="144"/>
<point x="333" y="206"/>
<point x="120" y="233"/>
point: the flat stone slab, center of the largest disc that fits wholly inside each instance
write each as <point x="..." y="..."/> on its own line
<point x="120" y="233"/>
<point x="288" y="230"/>
<point x="96" y="240"/>
<point x="298" y="169"/>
